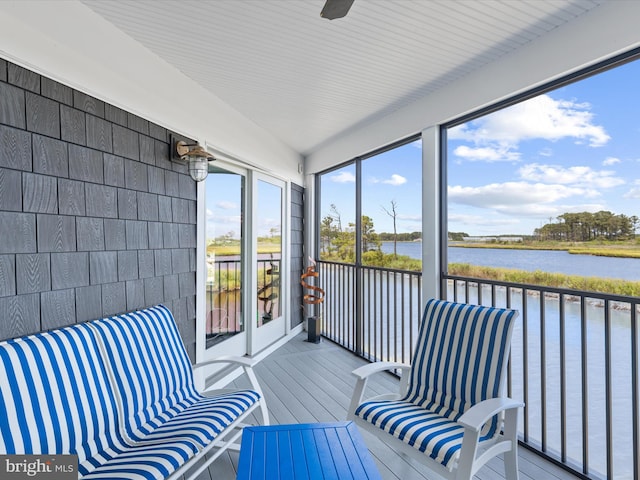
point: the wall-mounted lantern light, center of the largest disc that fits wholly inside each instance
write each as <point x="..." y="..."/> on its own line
<point x="196" y="156"/>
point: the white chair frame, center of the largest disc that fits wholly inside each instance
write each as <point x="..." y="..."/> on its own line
<point x="473" y="455"/>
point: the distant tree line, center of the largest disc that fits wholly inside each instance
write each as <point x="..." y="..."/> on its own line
<point x="586" y="226"/>
<point x="457" y="236"/>
<point x="401" y="237"/>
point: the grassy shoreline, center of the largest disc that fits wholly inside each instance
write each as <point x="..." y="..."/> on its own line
<point x="547" y="279"/>
<point x="624" y="250"/>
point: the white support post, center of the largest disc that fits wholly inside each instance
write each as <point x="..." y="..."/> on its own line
<point x="431" y="197"/>
<point x="309" y="234"/>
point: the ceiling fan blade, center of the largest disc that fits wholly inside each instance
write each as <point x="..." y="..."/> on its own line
<point x="336" y="9"/>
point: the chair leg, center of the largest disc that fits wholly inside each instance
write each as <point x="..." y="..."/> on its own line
<point x="467" y="454"/>
<point x="511" y="464"/>
<point x="511" y="433"/>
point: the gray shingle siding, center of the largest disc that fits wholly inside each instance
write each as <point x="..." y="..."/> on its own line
<point x="87" y="223"/>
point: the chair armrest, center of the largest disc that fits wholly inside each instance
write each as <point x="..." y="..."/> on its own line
<point x="480" y="413"/>
<point x="371" y="368"/>
<point x="363" y="373"/>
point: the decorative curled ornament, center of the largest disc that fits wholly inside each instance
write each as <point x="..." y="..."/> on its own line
<point x="317" y="296"/>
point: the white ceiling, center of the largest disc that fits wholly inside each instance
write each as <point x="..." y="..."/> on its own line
<point x="308" y="80"/>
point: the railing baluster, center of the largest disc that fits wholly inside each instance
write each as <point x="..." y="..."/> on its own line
<point x="402" y="280"/>
<point x="608" y="389"/>
<point x="543" y="374"/>
<point x="634" y="388"/>
<point x="563" y="384"/>
<point x="415" y="315"/>
<point x="388" y="319"/>
<point x="509" y="365"/>
<point x="525" y="363"/>
<point x="585" y="386"/>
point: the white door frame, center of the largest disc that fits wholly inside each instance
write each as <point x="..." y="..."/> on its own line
<point x="236" y="345"/>
<point x="253" y="339"/>
<point x="260" y="338"/>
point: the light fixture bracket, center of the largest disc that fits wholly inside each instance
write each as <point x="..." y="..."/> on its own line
<point x="193" y="154"/>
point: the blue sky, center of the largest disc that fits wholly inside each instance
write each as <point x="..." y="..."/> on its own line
<point x="224" y="205"/>
<point x="391" y="176"/>
<point x="574" y="149"/>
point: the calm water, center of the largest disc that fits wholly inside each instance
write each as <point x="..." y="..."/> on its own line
<point x="545" y="260"/>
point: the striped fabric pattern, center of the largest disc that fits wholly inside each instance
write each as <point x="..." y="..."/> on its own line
<point x="55" y="397"/>
<point x="40" y="376"/>
<point x="460" y="360"/>
<point x="155" y="382"/>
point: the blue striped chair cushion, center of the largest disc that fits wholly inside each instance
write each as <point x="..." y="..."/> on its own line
<point x="155" y="381"/>
<point x="40" y="377"/>
<point x="460" y="360"/>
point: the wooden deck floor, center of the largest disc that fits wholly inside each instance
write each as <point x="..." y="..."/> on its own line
<point x="306" y="383"/>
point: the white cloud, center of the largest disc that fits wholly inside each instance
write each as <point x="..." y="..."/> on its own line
<point x="500" y="196"/>
<point x="395" y="180"/>
<point x="550" y="210"/>
<point x="226" y="205"/>
<point x="634" y="193"/>
<point x="413" y="218"/>
<point x="233" y="220"/>
<point x="577" y="175"/>
<point x="499" y="153"/>
<point x="343" y="177"/>
<point x="546" y="152"/>
<point x="541" y="117"/>
<point x="481" y="220"/>
<point x="610" y="161"/>
<point x="519" y="200"/>
<point x="497" y="136"/>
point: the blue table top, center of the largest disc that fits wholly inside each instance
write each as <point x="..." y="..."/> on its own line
<point x="305" y="451"/>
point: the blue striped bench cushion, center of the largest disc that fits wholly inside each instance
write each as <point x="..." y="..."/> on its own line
<point x="460" y="360"/>
<point x="117" y="392"/>
<point x="55" y="397"/>
<point x="155" y="381"/>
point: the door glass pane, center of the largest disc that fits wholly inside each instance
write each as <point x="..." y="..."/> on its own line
<point x="268" y="221"/>
<point x="224" y="254"/>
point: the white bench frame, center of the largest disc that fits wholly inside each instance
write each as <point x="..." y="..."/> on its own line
<point x="228" y="438"/>
<point x="234" y="430"/>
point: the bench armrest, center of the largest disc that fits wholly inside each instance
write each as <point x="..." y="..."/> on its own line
<point x="240" y="361"/>
<point x="480" y="413"/>
<point x="247" y="365"/>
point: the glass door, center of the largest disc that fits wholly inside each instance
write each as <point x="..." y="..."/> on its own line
<point x="268" y="234"/>
<point x="222" y="328"/>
